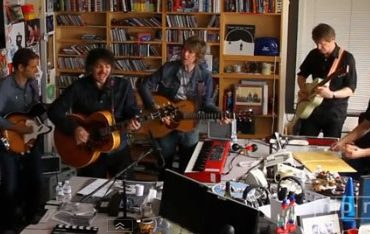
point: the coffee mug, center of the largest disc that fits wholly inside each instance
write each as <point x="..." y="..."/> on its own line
<point x="266" y="68"/>
<point x="237" y="68"/>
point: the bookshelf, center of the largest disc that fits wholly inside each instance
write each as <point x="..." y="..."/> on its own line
<point x="145" y="35"/>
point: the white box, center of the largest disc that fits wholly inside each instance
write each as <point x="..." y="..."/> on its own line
<point x="319" y="206"/>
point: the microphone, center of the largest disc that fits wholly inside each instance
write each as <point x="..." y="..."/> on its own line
<point x="252" y="147"/>
<point x="157" y="149"/>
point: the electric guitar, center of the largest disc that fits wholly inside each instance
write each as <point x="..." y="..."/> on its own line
<point x="306" y="106"/>
<point x="22" y="143"/>
<point x="184" y="117"/>
<point x="104" y="136"/>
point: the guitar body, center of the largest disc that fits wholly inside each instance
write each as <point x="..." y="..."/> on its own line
<point x="19" y="143"/>
<point x="84" y="154"/>
<point x="306" y="107"/>
<point x="159" y="129"/>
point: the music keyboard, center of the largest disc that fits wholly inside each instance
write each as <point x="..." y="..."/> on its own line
<point x="208" y="160"/>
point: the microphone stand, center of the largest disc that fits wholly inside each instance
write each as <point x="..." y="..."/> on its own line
<point x="124" y="170"/>
<point x="123" y="222"/>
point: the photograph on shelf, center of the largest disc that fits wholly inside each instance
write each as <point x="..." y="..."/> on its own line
<point x="49" y="23"/>
<point x="320" y="223"/>
<point x="32" y="32"/>
<point x="239" y="39"/>
<point x="15" y="39"/>
<point x="265" y="92"/>
<point x="249" y="97"/>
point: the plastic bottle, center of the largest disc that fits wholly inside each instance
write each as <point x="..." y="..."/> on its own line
<point x="67" y="190"/>
<point x="227" y="190"/>
<point x="163" y="226"/>
<point x="59" y="194"/>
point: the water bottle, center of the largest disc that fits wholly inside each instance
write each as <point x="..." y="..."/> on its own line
<point x="59" y="194"/>
<point x="67" y="190"/>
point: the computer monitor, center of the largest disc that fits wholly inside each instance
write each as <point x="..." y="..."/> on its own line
<point x="223" y="212"/>
<point x="364" y="200"/>
<point x="191" y="205"/>
<point x="182" y="201"/>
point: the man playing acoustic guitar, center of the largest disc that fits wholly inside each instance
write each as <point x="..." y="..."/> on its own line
<point x="92" y="100"/>
<point x="329" y="116"/>
<point x="185" y="79"/>
<point x="20" y="175"/>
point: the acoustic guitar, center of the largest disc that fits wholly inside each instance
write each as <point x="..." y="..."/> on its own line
<point x="306" y="106"/>
<point x="22" y="143"/>
<point x="104" y="137"/>
<point x="184" y="117"/>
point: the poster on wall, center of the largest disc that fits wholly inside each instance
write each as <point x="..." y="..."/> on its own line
<point x="32" y="32"/>
<point x="3" y="64"/>
<point x="15" y="39"/>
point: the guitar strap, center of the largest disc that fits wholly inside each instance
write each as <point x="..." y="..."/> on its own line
<point x="336" y="62"/>
<point x="111" y="86"/>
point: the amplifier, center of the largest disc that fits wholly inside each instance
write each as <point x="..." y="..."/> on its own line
<point x="51" y="180"/>
<point x="50" y="163"/>
<point x="222" y="131"/>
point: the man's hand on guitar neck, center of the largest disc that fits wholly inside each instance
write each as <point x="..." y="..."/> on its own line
<point x="133" y="124"/>
<point x="21" y="128"/>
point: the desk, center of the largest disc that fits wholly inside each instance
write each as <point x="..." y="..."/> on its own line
<point x="101" y="220"/>
<point x="105" y="223"/>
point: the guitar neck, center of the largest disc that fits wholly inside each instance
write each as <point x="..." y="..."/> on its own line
<point x="340" y="72"/>
<point x="215" y="115"/>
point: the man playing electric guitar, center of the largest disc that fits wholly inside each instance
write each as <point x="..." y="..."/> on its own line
<point x="329" y="116"/>
<point x="21" y="175"/>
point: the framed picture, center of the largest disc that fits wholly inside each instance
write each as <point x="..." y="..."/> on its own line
<point x="320" y="223"/>
<point x="248" y="97"/>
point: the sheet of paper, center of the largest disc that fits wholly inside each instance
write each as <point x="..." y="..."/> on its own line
<point x="94" y="185"/>
<point x="327" y="160"/>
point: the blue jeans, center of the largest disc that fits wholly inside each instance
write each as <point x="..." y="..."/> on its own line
<point x="181" y="143"/>
<point x="109" y="164"/>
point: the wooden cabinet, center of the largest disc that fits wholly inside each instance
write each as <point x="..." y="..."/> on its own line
<point x="147" y="36"/>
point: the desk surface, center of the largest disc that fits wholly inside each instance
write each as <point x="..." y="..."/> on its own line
<point x="101" y="220"/>
<point x="105" y="223"/>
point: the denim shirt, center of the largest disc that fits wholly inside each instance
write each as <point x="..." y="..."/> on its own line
<point x="166" y="81"/>
<point x="14" y="98"/>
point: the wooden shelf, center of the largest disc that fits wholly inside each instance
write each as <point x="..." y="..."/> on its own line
<point x="258" y="76"/>
<point x="168" y="42"/>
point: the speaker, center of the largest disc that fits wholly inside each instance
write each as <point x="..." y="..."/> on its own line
<point x="222" y="131"/>
<point x="50" y="163"/>
<point x="51" y="180"/>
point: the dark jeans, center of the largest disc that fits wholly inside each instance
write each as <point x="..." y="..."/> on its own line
<point x="20" y="187"/>
<point x="329" y="121"/>
<point x="109" y="164"/>
<point x="181" y="143"/>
